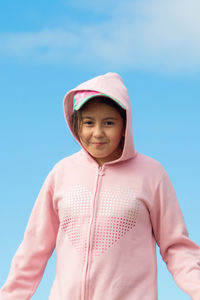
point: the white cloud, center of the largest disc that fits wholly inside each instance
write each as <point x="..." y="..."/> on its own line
<point x="156" y="35"/>
<point x="44" y="45"/>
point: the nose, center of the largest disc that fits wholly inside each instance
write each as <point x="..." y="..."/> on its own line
<point x="98" y="131"/>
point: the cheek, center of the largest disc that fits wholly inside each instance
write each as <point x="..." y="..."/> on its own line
<point x="84" y="134"/>
<point x="115" y="139"/>
<point x="120" y="134"/>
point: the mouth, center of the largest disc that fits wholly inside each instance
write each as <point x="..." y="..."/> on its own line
<point x="98" y="144"/>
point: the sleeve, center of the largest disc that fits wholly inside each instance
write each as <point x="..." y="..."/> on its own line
<point x="30" y="260"/>
<point x="181" y="255"/>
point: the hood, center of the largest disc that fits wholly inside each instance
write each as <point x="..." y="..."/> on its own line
<point x="112" y="85"/>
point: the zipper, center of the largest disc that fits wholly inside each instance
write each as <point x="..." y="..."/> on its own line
<point x="91" y="226"/>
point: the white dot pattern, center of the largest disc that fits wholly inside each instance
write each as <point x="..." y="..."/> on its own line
<point x="76" y="202"/>
<point x="74" y="214"/>
<point x="116" y="214"/>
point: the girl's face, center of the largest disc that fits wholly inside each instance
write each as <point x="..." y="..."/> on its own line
<point x="100" y="132"/>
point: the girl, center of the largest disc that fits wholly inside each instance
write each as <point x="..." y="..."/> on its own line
<point x="104" y="209"/>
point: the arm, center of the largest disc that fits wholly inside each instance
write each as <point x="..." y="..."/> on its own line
<point x="30" y="260"/>
<point x="181" y="255"/>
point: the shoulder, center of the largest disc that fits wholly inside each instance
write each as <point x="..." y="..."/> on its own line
<point x="142" y="158"/>
<point x="148" y="165"/>
<point x="66" y="163"/>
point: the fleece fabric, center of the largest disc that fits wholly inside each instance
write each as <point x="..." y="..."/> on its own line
<point x="105" y="223"/>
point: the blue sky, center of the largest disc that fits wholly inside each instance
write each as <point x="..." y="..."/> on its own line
<point x="47" y="48"/>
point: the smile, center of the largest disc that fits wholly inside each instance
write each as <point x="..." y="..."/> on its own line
<point x="98" y="143"/>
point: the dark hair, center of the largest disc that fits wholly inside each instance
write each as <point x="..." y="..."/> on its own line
<point x="77" y="114"/>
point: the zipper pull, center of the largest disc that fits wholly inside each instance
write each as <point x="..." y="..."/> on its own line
<point x="101" y="171"/>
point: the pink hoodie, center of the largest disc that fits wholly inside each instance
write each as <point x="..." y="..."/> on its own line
<point x="105" y="223"/>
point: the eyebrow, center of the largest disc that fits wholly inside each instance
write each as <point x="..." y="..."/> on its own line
<point x="108" y="118"/>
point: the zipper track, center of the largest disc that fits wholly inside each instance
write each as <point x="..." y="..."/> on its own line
<point x="99" y="174"/>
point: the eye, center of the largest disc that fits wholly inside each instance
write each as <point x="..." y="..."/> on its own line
<point x="87" y="123"/>
<point x="109" y="123"/>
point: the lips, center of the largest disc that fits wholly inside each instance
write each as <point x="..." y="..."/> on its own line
<point x="98" y="143"/>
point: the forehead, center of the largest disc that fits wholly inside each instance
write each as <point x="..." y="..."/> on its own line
<point x="99" y="107"/>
